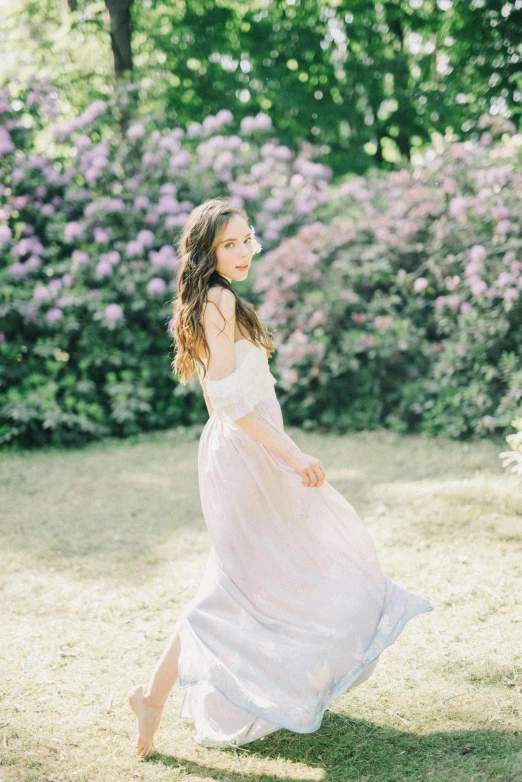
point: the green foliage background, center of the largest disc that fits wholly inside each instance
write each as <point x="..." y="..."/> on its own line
<point x="366" y="88"/>
<point x="371" y="81"/>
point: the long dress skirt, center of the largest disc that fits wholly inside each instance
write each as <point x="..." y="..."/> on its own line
<point x="293" y="608"/>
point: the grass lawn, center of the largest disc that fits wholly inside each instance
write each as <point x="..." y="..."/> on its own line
<point x="103" y="547"/>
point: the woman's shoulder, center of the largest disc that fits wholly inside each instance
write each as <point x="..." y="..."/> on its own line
<point x="224" y="303"/>
<point x="217" y="294"/>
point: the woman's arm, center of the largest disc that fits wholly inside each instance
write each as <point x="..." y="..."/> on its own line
<point x="207" y="400"/>
<point x="276" y="441"/>
<point x="219" y="331"/>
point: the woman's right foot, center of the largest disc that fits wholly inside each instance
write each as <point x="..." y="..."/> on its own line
<point x="148" y="721"/>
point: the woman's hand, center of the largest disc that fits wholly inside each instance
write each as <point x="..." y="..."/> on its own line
<point x="308" y="467"/>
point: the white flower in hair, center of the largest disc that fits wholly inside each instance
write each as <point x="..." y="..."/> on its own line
<point x="255" y="244"/>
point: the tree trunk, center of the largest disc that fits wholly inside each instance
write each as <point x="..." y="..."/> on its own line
<point x="400" y="72"/>
<point x="120" y="30"/>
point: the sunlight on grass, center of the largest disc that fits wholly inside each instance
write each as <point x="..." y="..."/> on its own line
<point x="103" y="547"/>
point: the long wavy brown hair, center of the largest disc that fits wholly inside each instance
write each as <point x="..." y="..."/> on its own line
<point x="196" y="274"/>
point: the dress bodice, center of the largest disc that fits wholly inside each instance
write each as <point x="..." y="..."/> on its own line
<point x="251" y="381"/>
<point x="241" y="347"/>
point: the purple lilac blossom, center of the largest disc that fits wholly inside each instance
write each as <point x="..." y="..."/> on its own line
<point x="145" y="238"/>
<point x="134" y="248"/>
<point x="93" y="111"/>
<point x="80" y="256"/>
<point x="102" y="235"/>
<point x="135" y="132"/>
<point x="103" y="269"/>
<point x="113" y="257"/>
<point x="156" y="286"/>
<point x="5" y="234"/>
<point x="141" y="202"/>
<point x="17" y="269"/>
<point x="6" y="143"/>
<point x="113" y="312"/>
<point x="73" y="231"/>
<point x="165" y="257"/>
<point x="41" y="293"/>
<point x="54" y="314"/>
<point x="33" y="262"/>
<point x="176" y="221"/>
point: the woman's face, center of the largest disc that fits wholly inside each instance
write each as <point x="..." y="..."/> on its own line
<point x="234" y="249"/>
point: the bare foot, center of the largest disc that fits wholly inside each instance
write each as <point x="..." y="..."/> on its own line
<point x="148" y="721"/>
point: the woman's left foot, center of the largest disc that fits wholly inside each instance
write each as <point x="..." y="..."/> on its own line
<point x="148" y="721"/>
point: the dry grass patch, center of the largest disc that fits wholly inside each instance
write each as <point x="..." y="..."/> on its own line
<point x="103" y="547"/>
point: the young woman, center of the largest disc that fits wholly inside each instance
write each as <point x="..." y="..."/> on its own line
<point x="293" y="608"/>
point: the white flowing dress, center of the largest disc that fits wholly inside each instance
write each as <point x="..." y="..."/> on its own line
<point x="293" y="608"/>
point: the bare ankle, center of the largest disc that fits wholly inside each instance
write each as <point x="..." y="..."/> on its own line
<point x="153" y="703"/>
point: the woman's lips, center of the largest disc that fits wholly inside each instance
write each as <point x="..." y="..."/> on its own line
<point x="245" y="266"/>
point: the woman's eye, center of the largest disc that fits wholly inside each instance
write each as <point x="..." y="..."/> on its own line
<point x="231" y="244"/>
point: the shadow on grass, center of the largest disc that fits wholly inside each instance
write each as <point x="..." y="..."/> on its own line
<point x="346" y="749"/>
<point x="113" y="512"/>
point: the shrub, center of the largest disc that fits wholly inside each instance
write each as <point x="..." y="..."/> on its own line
<point x="87" y="268"/>
<point x="402" y="309"/>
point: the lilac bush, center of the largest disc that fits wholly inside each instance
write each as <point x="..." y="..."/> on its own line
<point x="87" y="223"/>
<point x="402" y="307"/>
<point x="394" y="300"/>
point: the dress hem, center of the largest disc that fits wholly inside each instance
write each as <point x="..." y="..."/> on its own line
<point x="337" y="689"/>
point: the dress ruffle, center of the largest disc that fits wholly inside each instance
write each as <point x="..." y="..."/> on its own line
<point x="250" y="383"/>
